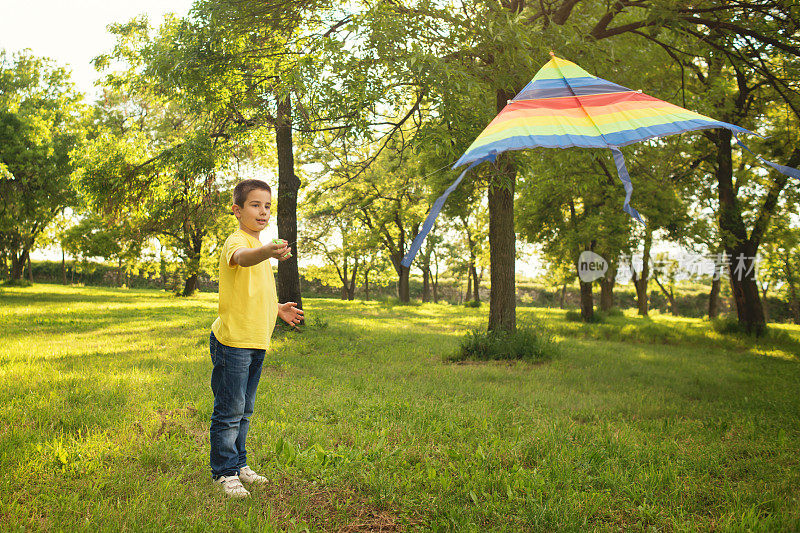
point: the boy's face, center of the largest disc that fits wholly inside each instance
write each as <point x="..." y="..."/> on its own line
<point x="253" y="216"/>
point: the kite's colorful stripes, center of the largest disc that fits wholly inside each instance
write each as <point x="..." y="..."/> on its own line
<point x="578" y="109"/>
<point x="565" y="106"/>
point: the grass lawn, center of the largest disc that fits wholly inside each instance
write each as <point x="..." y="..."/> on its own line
<point x="637" y="424"/>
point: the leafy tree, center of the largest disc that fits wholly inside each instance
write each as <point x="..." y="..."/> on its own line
<point x="92" y="237"/>
<point x="388" y="199"/>
<point x="40" y="123"/>
<point x="562" y="207"/>
<point x="338" y="236"/>
<point x="247" y="62"/>
<point x="743" y="59"/>
<point x="54" y="237"/>
<point x="156" y="162"/>
<point x="569" y="203"/>
<point x="665" y="273"/>
<point x="487" y="50"/>
<point x="780" y="262"/>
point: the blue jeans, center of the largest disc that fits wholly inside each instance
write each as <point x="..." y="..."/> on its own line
<point x="234" y="381"/>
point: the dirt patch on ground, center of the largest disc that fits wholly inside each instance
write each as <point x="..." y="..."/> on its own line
<point x="340" y="509"/>
<point x="169" y="422"/>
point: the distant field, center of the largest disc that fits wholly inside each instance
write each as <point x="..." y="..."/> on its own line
<point x="638" y="425"/>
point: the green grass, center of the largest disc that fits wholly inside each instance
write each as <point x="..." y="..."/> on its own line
<point x="639" y="424"/>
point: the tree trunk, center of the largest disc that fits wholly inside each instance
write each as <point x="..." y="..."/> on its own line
<point x="402" y="285"/>
<point x="607" y="283"/>
<point x="288" y="186"/>
<point x="587" y="302"/>
<point x="563" y="295"/>
<point x="476" y="285"/>
<point x="30" y="269"/>
<point x="713" y="297"/>
<point x="435" y="278"/>
<point x="473" y="283"/>
<point x="670" y="297"/>
<point x="426" y="285"/>
<point x="396" y="256"/>
<point x="344" y="279"/>
<point x="119" y="272"/>
<point x="195" y="242"/>
<point x="18" y="265"/>
<point x="351" y="291"/>
<point x="366" y="283"/>
<point x="641" y="296"/>
<point x="502" y="240"/>
<point x="190" y="285"/>
<point x="741" y="267"/>
<point x="162" y="267"/>
<point x="63" y="267"/>
<point x="741" y="250"/>
<point x="502" y="298"/>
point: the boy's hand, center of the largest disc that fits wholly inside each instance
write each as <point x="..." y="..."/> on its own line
<point x="277" y="249"/>
<point x="289" y="313"/>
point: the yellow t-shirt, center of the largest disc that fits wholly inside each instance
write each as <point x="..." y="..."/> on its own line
<point x="248" y="301"/>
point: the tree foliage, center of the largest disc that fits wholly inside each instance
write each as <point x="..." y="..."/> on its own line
<point x="41" y="122"/>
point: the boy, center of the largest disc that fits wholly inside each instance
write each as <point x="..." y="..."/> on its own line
<point x="240" y="336"/>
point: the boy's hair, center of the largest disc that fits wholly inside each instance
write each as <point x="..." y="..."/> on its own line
<point x="244" y="187"/>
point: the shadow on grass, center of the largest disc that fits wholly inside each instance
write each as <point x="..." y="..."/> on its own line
<point x="669" y="331"/>
<point x="72" y="295"/>
<point x="108" y="321"/>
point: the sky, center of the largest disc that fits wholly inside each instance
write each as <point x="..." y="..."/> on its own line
<point x="74" y="32"/>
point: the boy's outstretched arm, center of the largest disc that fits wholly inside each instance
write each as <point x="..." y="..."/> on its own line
<point x="248" y="257"/>
<point x="289" y="313"/>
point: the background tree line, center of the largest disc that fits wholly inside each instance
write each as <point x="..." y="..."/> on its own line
<point x="356" y="113"/>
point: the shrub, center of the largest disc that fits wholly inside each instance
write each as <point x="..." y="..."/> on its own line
<point x="530" y="343"/>
<point x="779" y="335"/>
<point x="575" y="316"/>
<point x="472" y="303"/>
<point x="392" y="301"/>
<point x="614" y="311"/>
<point x="17" y="283"/>
<point x="651" y="333"/>
<point x="726" y="325"/>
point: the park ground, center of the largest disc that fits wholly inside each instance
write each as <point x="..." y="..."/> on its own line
<point x="656" y="424"/>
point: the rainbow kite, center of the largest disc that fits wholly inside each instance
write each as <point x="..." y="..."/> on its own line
<point x="565" y="106"/>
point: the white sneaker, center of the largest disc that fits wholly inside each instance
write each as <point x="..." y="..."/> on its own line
<point x="232" y="487"/>
<point x="248" y="476"/>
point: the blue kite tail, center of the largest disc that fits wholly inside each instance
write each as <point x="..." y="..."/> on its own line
<point x="625" y="178"/>
<point x="789" y="171"/>
<point x="434" y="212"/>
